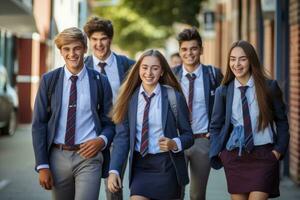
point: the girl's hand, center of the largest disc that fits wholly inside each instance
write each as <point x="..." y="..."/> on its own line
<point x="114" y="183"/>
<point x="276" y="154"/>
<point x="167" y="144"/>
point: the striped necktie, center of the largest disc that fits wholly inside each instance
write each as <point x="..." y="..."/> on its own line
<point x="102" y="66"/>
<point x="249" y="145"/>
<point x="145" y="128"/>
<point x="191" y="79"/>
<point x="71" y="118"/>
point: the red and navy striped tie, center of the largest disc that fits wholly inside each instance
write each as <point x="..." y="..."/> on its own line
<point x="145" y="128"/>
<point x="249" y="145"/>
<point x="191" y="79"/>
<point x="71" y="118"/>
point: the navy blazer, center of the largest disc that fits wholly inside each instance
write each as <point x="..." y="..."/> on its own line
<point x="209" y="96"/>
<point x="221" y="127"/>
<point x="123" y="64"/>
<point x="44" y="127"/>
<point x="126" y="135"/>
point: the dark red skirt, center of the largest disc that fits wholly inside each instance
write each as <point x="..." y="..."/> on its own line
<point x="255" y="171"/>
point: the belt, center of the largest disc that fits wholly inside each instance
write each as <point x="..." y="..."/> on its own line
<point x="201" y="135"/>
<point x="75" y="147"/>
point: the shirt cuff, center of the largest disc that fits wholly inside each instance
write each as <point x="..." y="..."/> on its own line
<point x="179" y="146"/>
<point x="43" y="166"/>
<point x="105" y="141"/>
<point x="114" y="172"/>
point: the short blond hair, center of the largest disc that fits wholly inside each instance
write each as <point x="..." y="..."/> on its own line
<point x="70" y="35"/>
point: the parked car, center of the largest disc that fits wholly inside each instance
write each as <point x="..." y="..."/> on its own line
<point x="8" y="104"/>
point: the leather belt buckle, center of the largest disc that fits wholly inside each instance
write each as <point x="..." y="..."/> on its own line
<point x="201" y="135"/>
<point x="67" y="147"/>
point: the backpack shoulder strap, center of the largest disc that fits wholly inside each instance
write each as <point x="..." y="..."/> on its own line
<point x="126" y="62"/>
<point x="176" y="71"/>
<point x="212" y="75"/>
<point x="172" y="101"/>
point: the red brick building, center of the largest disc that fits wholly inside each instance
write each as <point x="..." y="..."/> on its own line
<point x="27" y="28"/>
<point x="24" y="28"/>
<point x="294" y="29"/>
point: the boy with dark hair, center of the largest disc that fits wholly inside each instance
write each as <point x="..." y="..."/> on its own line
<point x="198" y="82"/>
<point x="100" y="33"/>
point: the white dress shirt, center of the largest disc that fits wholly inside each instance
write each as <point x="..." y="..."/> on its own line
<point x="112" y="72"/>
<point x="199" y="114"/>
<point x="155" y="121"/>
<point x="262" y="137"/>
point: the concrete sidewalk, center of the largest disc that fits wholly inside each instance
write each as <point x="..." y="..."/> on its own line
<point x="217" y="188"/>
<point x="19" y="181"/>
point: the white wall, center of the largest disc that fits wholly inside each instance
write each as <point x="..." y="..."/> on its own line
<point x="65" y="13"/>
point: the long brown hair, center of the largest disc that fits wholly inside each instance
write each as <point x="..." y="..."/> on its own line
<point x="133" y="81"/>
<point x="260" y="77"/>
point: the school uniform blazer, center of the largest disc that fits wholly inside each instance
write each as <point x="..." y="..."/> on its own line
<point x="209" y="96"/>
<point x="126" y="135"/>
<point x="44" y="127"/>
<point x="123" y="64"/>
<point x="221" y="127"/>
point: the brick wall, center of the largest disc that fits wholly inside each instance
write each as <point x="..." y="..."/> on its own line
<point x="295" y="90"/>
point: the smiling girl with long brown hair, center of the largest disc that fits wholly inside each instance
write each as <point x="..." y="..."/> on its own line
<point x="249" y="127"/>
<point x="147" y="128"/>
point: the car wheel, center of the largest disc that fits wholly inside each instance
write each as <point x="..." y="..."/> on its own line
<point x="11" y="127"/>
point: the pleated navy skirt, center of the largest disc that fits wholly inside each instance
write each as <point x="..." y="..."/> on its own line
<point x="255" y="171"/>
<point x="154" y="177"/>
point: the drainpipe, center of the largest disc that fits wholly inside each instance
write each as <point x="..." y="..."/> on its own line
<point x="282" y="57"/>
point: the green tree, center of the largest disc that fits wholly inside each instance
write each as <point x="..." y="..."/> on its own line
<point x="142" y="24"/>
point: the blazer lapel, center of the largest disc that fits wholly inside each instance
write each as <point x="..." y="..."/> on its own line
<point x="93" y="87"/>
<point x="206" y="85"/>
<point x="164" y="105"/>
<point x="59" y="90"/>
<point x="229" y="100"/>
<point x="132" y="114"/>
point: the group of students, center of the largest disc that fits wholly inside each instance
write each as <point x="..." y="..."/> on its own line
<point x="93" y="112"/>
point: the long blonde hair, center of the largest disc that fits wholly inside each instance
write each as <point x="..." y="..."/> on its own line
<point x="259" y="76"/>
<point x="133" y="81"/>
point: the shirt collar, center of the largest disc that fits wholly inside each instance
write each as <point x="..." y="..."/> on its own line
<point x="80" y="75"/>
<point x="109" y="60"/>
<point x="156" y="91"/>
<point x="250" y="83"/>
<point x="197" y="71"/>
